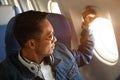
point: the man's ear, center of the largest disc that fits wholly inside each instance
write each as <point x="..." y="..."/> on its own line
<point x="31" y="44"/>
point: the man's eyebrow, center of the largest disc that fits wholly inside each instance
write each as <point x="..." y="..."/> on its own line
<point x="50" y="32"/>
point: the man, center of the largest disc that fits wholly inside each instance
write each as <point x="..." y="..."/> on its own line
<point x="39" y="58"/>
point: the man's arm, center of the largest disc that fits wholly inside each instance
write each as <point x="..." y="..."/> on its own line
<point x="85" y="50"/>
<point x="84" y="53"/>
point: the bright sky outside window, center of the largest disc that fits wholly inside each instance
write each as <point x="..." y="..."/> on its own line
<point x="105" y="43"/>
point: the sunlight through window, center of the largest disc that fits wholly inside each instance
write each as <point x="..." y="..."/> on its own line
<point x="53" y="7"/>
<point x="105" y="43"/>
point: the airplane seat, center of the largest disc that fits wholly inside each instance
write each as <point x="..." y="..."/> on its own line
<point x="61" y="27"/>
<point x="6" y="12"/>
<point x="12" y="46"/>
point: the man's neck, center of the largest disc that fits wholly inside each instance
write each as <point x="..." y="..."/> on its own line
<point x="31" y="55"/>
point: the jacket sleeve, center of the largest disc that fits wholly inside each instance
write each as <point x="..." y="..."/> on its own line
<point x="84" y="53"/>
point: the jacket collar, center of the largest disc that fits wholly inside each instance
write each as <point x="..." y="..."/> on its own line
<point x="20" y="67"/>
<point x="25" y="71"/>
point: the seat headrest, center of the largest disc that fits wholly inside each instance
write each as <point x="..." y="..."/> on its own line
<point x="61" y="27"/>
<point x="12" y="46"/>
<point x="6" y="13"/>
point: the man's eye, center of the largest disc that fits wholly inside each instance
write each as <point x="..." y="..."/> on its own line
<point x="50" y="37"/>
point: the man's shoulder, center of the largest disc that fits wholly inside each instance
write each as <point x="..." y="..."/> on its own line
<point x="8" y="71"/>
<point x="5" y="64"/>
<point x="60" y="47"/>
<point x="62" y="52"/>
<point x="5" y="68"/>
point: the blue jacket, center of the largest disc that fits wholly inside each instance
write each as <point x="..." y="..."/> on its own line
<point x="66" y="64"/>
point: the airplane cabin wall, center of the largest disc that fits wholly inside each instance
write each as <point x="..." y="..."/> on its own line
<point x="96" y="70"/>
<point x="43" y="5"/>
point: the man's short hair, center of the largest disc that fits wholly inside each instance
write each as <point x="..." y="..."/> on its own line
<point x="26" y="25"/>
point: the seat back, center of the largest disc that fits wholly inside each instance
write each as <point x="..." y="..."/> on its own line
<point x="6" y="13"/>
<point x="61" y="27"/>
<point x="12" y="46"/>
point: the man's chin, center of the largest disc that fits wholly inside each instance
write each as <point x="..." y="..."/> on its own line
<point x="49" y="54"/>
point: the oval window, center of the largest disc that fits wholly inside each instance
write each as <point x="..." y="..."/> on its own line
<point x="53" y="7"/>
<point x="105" y="42"/>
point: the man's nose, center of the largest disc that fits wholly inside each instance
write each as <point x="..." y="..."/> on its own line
<point x="54" y="39"/>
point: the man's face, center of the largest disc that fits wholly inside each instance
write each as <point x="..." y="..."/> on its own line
<point x="45" y="46"/>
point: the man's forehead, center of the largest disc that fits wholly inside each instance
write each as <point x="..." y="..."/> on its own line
<point x="46" y="27"/>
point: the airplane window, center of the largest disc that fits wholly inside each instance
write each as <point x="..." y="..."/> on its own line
<point x="11" y="2"/>
<point x="34" y="5"/>
<point x="30" y="5"/>
<point x="53" y="7"/>
<point x="4" y="2"/>
<point x="105" y="43"/>
<point x="17" y="4"/>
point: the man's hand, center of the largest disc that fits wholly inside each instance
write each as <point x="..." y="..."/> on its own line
<point x="89" y="14"/>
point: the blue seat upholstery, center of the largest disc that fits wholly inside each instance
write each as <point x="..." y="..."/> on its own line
<point x="2" y="45"/>
<point x="61" y="27"/>
<point x="6" y="13"/>
<point x="12" y="46"/>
